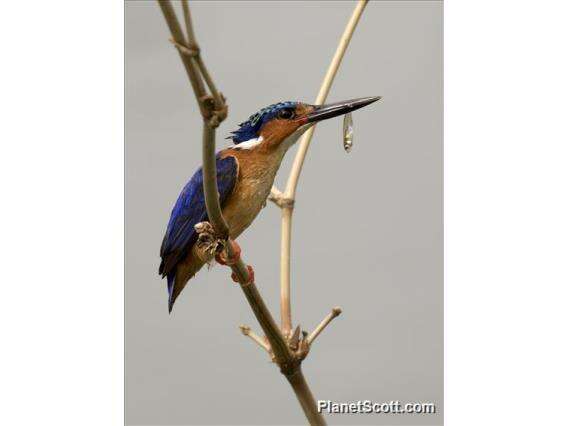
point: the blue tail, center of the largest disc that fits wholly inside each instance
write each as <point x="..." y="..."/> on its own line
<point x="171" y="299"/>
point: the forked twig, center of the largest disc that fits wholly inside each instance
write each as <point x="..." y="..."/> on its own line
<point x="245" y="329"/>
<point x="290" y="192"/>
<point x="178" y="38"/>
<point x="279" y="198"/>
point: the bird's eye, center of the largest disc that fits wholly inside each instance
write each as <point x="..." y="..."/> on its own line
<point x="286" y="114"/>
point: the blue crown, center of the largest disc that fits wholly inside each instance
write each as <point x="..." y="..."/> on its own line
<point x="249" y="129"/>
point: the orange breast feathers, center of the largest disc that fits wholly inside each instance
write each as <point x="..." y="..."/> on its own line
<point x="256" y="172"/>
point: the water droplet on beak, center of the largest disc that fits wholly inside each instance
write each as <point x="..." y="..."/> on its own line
<point x="348" y="132"/>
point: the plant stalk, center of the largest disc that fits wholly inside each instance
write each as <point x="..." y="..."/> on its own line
<point x="285" y="304"/>
<point x="292" y="184"/>
<point x="305" y="397"/>
<point x="178" y="37"/>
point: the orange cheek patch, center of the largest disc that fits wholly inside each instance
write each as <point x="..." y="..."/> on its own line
<point x="278" y="130"/>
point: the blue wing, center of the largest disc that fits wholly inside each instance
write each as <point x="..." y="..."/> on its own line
<point x="189" y="210"/>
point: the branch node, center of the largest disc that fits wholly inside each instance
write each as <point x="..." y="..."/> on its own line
<point x="278" y="198"/>
<point x="191" y="50"/>
<point x="238" y="280"/>
<point x="212" y="115"/>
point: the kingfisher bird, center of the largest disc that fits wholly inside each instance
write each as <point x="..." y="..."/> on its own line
<point x="245" y="174"/>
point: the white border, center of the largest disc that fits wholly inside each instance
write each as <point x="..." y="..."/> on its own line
<point x="61" y="170"/>
<point x="506" y="212"/>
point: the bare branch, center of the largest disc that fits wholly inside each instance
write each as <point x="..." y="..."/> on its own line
<point x="335" y="312"/>
<point x="179" y="39"/>
<point x="279" y="199"/>
<point x="305" y="397"/>
<point x="190" y="52"/>
<point x="290" y="192"/>
<point x="282" y="353"/>
<point x="188" y="24"/>
<point x="219" y="101"/>
<point x="285" y="243"/>
<point x="322" y="96"/>
<point x="245" y="329"/>
<point x="192" y="44"/>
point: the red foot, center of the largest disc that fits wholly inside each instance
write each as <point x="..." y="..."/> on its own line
<point x="221" y="258"/>
<point x="251" y="276"/>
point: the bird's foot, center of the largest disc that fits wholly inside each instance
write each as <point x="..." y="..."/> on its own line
<point x="222" y="258"/>
<point x="251" y="276"/>
<point x="208" y="241"/>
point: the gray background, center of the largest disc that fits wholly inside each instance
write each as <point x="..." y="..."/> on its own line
<point x="367" y="227"/>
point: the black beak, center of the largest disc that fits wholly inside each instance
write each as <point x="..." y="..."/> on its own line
<point x="323" y="112"/>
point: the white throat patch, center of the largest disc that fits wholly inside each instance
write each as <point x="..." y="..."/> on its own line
<point x="250" y="144"/>
<point x="287" y="143"/>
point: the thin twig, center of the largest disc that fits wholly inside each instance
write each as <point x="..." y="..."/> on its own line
<point x="192" y="43"/>
<point x="285" y="243"/>
<point x="335" y="312"/>
<point x="190" y="68"/>
<point x="188" y="24"/>
<point x="322" y="96"/>
<point x="245" y="329"/>
<point x="282" y="354"/>
<point x="219" y="101"/>
<point x="290" y="192"/>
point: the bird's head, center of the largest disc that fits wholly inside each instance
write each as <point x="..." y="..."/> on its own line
<point x="279" y="126"/>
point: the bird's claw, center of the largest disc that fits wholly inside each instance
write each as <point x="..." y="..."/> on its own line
<point x="222" y="259"/>
<point x="207" y="240"/>
<point x="251" y="276"/>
